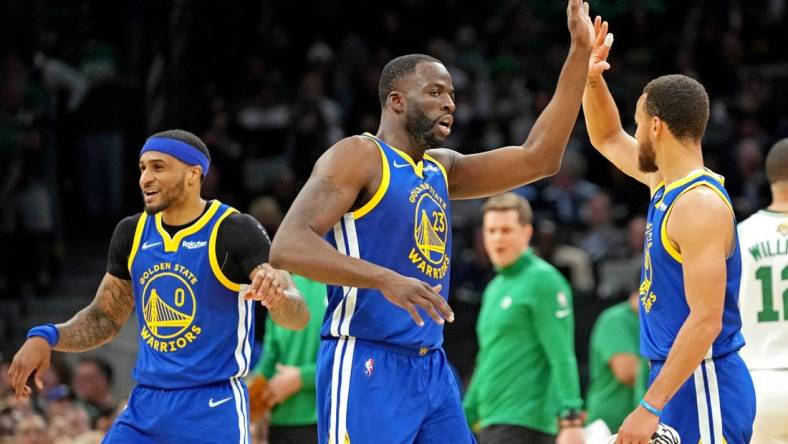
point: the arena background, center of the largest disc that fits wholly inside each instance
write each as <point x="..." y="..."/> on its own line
<point x="269" y="85"/>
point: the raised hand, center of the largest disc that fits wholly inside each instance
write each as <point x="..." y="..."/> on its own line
<point x="598" y="63"/>
<point x="408" y="293"/>
<point x="34" y="356"/>
<point x="580" y="26"/>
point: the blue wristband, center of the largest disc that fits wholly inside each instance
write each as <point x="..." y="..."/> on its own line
<point x="651" y="409"/>
<point x="46" y="331"/>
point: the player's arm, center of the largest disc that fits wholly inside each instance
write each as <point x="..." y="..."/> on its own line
<point x="602" y="118"/>
<point x="277" y="292"/>
<point x="337" y="183"/>
<point x="96" y="324"/>
<point x="554" y="324"/>
<point x="492" y="172"/>
<point x="701" y="226"/>
<point x="704" y="238"/>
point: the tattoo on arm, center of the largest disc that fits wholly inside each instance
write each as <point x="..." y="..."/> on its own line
<point x="592" y="83"/>
<point x="99" y="322"/>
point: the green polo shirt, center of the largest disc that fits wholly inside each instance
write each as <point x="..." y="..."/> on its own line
<point x="526" y="369"/>
<point x="299" y="349"/>
<point x="615" y="331"/>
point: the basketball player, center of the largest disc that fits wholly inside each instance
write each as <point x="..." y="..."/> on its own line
<point x="181" y="264"/>
<point x="763" y="299"/>
<point x="380" y="378"/>
<point x="689" y="318"/>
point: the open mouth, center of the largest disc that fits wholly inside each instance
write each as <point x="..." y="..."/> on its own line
<point x="444" y="123"/>
<point x="149" y="194"/>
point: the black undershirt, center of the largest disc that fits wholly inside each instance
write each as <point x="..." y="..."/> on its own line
<point x="241" y="245"/>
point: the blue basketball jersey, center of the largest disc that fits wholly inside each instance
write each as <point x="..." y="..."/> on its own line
<point x="194" y="328"/>
<point x="405" y="227"/>
<point x="663" y="304"/>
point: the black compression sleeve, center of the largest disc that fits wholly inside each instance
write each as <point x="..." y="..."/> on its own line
<point x="241" y="245"/>
<point x="120" y="247"/>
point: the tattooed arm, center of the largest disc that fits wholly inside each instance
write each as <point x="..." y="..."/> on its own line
<point x="94" y="325"/>
<point x="276" y="290"/>
<point x="99" y="322"/>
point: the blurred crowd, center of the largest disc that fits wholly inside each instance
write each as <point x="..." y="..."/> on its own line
<point x="270" y="84"/>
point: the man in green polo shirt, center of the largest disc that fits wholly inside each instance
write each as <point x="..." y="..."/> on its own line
<point x="618" y="373"/>
<point x="525" y="388"/>
<point x="288" y="363"/>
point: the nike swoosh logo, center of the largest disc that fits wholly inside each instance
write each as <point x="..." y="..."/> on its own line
<point x="400" y="165"/>
<point x="560" y="314"/>
<point x="146" y="245"/>
<point x="213" y="404"/>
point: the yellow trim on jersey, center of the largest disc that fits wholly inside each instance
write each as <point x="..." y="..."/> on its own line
<point x="663" y="230"/>
<point x="217" y="270"/>
<point x="692" y="175"/>
<point x="440" y="165"/>
<point x="385" y="179"/>
<point x="417" y="167"/>
<point x="137" y="236"/>
<point x="171" y="244"/>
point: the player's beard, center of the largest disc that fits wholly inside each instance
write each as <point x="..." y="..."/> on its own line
<point x="421" y="128"/>
<point x="168" y="197"/>
<point x="647" y="157"/>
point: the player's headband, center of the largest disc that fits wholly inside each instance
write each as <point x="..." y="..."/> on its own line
<point x="179" y="150"/>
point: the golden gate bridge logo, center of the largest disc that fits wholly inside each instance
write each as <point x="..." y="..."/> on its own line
<point x="169" y="307"/>
<point x="430" y="229"/>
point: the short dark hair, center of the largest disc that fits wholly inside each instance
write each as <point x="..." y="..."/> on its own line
<point x="777" y="162"/>
<point x="102" y="365"/>
<point x="681" y="102"/>
<point x="185" y="137"/>
<point x="511" y="201"/>
<point x="396" y="69"/>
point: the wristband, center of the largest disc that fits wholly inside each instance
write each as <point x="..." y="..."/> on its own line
<point x="46" y="331"/>
<point x="650" y="408"/>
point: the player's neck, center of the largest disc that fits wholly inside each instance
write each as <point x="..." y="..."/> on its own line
<point x="183" y="212"/>
<point x="779" y="197"/>
<point x="401" y="140"/>
<point x="680" y="161"/>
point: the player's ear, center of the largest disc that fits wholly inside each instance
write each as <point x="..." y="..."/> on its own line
<point x="656" y="126"/>
<point x="396" y="101"/>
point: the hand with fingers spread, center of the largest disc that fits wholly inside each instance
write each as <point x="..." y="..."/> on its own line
<point x="410" y="293"/>
<point x="598" y="63"/>
<point x="268" y="286"/>
<point x="34" y="356"/>
<point x="579" y="22"/>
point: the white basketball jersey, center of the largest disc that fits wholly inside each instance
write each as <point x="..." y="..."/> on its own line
<point x="763" y="297"/>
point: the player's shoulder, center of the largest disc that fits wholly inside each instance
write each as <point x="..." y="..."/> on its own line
<point x="702" y="203"/>
<point x="548" y="274"/>
<point x="243" y="226"/>
<point x="128" y="223"/>
<point x="356" y="144"/>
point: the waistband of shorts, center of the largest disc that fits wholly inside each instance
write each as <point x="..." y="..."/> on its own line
<point x="654" y="362"/>
<point x="192" y="387"/>
<point x="407" y="351"/>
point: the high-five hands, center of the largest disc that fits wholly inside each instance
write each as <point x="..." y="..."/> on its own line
<point x="598" y="63"/>
<point x="581" y="29"/>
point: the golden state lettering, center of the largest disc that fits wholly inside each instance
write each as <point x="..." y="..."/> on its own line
<point x="647" y="297"/>
<point x="169" y="307"/>
<point x="430" y="232"/>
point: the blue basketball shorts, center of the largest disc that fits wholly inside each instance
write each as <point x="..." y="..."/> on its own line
<point x="715" y="406"/>
<point x="375" y="393"/>
<point x="215" y="414"/>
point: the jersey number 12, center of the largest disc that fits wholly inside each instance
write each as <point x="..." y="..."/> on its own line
<point x="768" y="313"/>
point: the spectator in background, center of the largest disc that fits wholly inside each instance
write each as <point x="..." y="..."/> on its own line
<point x="602" y="240"/>
<point x="568" y="190"/>
<point x="31" y="429"/>
<point x="525" y="388"/>
<point x="616" y="275"/>
<point x="616" y="367"/>
<point x="93" y="387"/>
<point x="288" y="363"/>
<point x="574" y="263"/>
